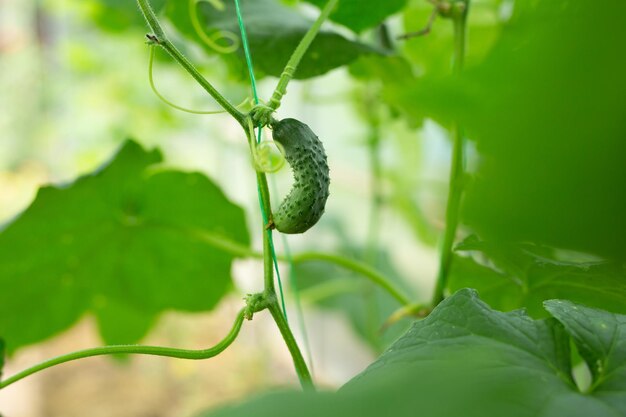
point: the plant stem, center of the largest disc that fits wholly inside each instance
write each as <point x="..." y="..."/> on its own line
<point x="133" y="349"/>
<point x="269" y="291"/>
<point x="457" y="174"/>
<point x="373" y="144"/>
<point x="358" y="267"/>
<point x="298" y="360"/>
<point x="161" y="39"/>
<point x="328" y="289"/>
<point x="297" y="55"/>
<point x="268" y="262"/>
<point x="460" y="29"/>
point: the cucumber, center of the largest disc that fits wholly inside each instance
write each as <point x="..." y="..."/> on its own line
<point x="304" y="152"/>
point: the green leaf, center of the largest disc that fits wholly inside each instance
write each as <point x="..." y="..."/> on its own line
<point x="274" y="31"/>
<point x="120" y="15"/>
<point x="359" y="15"/>
<point x="463" y="322"/>
<point x="524" y="275"/>
<point x="465" y="359"/>
<point x="382" y="71"/>
<point x="601" y="340"/>
<point x="546" y="111"/>
<point x="498" y="289"/>
<point x="123" y="243"/>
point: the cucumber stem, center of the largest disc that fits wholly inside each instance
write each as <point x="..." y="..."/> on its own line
<point x="159" y="38"/>
<point x="457" y="171"/>
<point x="296" y="56"/>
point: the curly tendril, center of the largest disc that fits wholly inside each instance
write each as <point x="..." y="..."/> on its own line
<point x="245" y="102"/>
<point x="262" y="115"/>
<point x="213" y="40"/>
<point x="267" y="155"/>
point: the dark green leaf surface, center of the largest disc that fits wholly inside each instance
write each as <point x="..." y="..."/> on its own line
<point x="359" y="15"/>
<point x="465" y="322"/>
<point x="274" y="30"/>
<point x="123" y="243"/>
<point x="547" y="110"/>
<point x="524" y="275"/>
<point x="380" y="71"/>
<point x="465" y="359"/>
<point x="601" y="340"/>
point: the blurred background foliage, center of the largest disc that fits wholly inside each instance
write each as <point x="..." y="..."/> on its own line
<point x="542" y="100"/>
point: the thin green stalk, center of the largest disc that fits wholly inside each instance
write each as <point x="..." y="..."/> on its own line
<point x="297" y="55"/>
<point x="330" y="288"/>
<point x="225" y="244"/>
<point x="246" y="51"/>
<point x="161" y="39"/>
<point x="295" y="290"/>
<point x="376" y="193"/>
<point x="263" y="191"/>
<point x="457" y="174"/>
<point x="298" y="360"/>
<point x="266" y="209"/>
<point x="211" y="41"/>
<point x="269" y="291"/>
<point x="133" y="349"/>
<point x="268" y="261"/>
<point x="460" y="30"/>
<point x="358" y="267"/>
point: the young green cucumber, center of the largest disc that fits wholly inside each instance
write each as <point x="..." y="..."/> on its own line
<point x="304" y="205"/>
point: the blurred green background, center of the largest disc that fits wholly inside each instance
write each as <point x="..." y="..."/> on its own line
<point x="542" y="100"/>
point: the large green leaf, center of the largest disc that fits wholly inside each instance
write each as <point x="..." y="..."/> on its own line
<point x="274" y="30"/>
<point x="546" y="109"/>
<point x="465" y="359"/>
<point x="123" y="243"/>
<point x="601" y="340"/>
<point x="359" y="15"/>
<point x="524" y="275"/>
<point x="378" y="72"/>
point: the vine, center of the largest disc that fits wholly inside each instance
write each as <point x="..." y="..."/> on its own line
<point x="211" y="40"/>
<point x="173" y="236"/>
<point x="159" y="38"/>
<point x="267" y="299"/>
<point x="259" y="116"/>
<point x="457" y="11"/>
<point x="173" y="105"/>
<point x="138" y="350"/>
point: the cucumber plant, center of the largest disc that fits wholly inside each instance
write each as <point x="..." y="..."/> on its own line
<point x="462" y="356"/>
